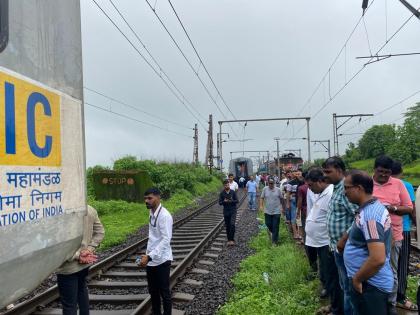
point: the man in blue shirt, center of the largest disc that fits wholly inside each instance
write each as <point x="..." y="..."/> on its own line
<point x="402" y="300"/>
<point x="367" y="251"/>
<point x="252" y="188"/>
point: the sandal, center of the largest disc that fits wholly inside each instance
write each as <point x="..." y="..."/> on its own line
<point x="407" y="305"/>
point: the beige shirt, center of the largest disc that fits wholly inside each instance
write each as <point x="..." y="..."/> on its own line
<point x="93" y="233"/>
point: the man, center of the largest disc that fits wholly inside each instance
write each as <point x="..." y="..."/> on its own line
<point x="317" y="236"/>
<point x="367" y="251"/>
<point x="339" y="220"/>
<point x="258" y="180"/>
<point x="228" y="199"/>
<point x="402" y="300"/>
<point x="232" y="184"/>
<point x="291" y="195"/>
<point x="301" y="204"/>
<point x="71" y="276"/>
<point x="158" y="257"/>
<point x="283" y="192"/>
<point x="392" y="193"/>
<point x="270" y="202"/>
<point x="252" y="189"/>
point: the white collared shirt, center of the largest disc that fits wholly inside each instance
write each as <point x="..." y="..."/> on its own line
<point x="160" y="234"/>
<point x="316" y="219"/>
<point x="233" y="186"/>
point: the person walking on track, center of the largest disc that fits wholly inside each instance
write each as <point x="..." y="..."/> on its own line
<point x="229" y="200"/>
<point x="252" y="189"/>
<point x="158" y="257"/>
<point x="71" y="276"/>
<point x="232" y="184"/>
<point x="270" y="201"/>
<point x="367" y="250"/>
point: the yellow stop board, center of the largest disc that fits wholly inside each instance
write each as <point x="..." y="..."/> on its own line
<point x="29" y="123"/>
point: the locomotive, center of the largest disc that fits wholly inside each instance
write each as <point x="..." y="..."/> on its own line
<point x="241" y="168"/>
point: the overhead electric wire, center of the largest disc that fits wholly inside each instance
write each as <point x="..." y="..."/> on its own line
<point x="136" y="120"/>
<point x="190" y="65"/>
<point x="136" y="108"/>
<point x="148" y="62"/>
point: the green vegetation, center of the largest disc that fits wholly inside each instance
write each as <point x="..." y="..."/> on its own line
<point x="287" y="291"/>
<point x="181" y="184"/>
<point x="412" y="284"/>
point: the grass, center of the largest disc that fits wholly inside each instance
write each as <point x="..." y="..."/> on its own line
<point x="121" y="218"/>
<point x="287" y="292"/>
<point x="411" y="171"/>
<point x="412" y="284"/>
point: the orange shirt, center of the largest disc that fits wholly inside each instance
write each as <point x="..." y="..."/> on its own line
<point x="393" y="193"/>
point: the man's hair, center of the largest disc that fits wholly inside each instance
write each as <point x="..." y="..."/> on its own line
<point x="230" y="175"/>
<point x="397" y="168"/>
<point x="361" y="178"/>
<point x="335" y="162"/>
<point x="225" y="182"/>
<point x="315" y="175"/>
<point x="383" y="161"/>
<point x="304" y="174"/>
<point x="152" y="191"/>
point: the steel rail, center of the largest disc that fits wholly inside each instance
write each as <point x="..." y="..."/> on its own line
<point x="41" y="300"/>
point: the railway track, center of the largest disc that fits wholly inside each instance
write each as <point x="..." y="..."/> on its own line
<point x="118" y="286"/>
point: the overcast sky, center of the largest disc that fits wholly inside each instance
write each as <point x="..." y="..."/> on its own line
<point x="266" y="58"/>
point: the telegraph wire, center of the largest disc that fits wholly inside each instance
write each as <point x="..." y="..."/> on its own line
<point x="136" y="108"/>
<point x="148" y="63"/>
<point x="136" y="120"/>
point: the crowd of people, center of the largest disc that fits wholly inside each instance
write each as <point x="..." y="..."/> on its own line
<point x="355" y="229"/>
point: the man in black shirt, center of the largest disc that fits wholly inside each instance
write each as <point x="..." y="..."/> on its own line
<point x="229" y="200"/>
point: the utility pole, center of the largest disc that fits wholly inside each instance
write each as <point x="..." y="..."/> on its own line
<point x="195" y="152"/>
<point x="209" y="152"/>
<point x="336" y="126"/>
<point x="321" y="142"/>
<point x="278" y="156"/>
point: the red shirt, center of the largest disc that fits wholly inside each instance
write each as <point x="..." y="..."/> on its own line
<point x="393" y="193"/>
<point x="302" y="191"/>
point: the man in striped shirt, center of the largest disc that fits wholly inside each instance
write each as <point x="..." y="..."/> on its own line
<point x="339" y="220"/>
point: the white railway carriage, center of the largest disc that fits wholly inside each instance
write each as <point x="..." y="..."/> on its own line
<point x="42" y="158"/>
<point x="241" y="167"/>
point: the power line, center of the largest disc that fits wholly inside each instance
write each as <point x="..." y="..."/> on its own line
<point x="147" y="61"/>
<point x="189" y="63"/>
<point x="135" y="108"/>
<point x="136" y="120"/>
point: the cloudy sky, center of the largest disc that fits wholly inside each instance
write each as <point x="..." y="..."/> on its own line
<point x="266" y="58"/>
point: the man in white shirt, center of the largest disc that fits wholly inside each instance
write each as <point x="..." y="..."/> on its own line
<point x="159" y="253"/>
<point x="232" y="184"/>
<point x="317" y="236"/>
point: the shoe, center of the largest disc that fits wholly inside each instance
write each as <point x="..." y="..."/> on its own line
<point x="323" y="294"/>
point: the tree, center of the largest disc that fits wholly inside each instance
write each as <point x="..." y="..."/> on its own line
<point x="352" y="153"/>
<point x="377" y="140"/>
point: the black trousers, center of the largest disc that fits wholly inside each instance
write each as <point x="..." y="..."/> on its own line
<point x="230" y="219"/>
<point x="158" y="285"/>
<point x="273" y="221"/>
<point x="73" y="292"/>
<point x="370" y="301"/>
<point x="403" y="266"/>
<point x="329" y="272"/>
<point x="312" y="254"/>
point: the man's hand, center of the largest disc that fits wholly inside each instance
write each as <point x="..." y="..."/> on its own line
<point x="341" y="244"/>
<point x="298" y="215"/>
<point x="357" y="285"/>
<point x="87" y="257"/>
<point x="144" y="260"/>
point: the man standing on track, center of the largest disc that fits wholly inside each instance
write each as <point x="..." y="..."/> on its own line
<point x="252" y="189"/>
<point x="339" y="220"/>
<point x="270" y="202"/>
<point x="317" y="236"/>
<point x="392" y="193"/>
<point x="403" y="261"/>
<point x="71" y="276"/>
<point x="232" y="184"/>
<point x="229" y="200"/>
<point x="159" y="253"/>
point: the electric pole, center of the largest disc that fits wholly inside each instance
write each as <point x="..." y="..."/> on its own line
<point x="195" y="152"/>
<point x="336" y="126"/>
<point x="278" y="156"/>
<point x="321" y="142"/>
<point x="209" y="151"/>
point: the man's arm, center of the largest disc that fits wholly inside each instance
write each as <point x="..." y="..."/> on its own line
<point x="234" y="198"/>
<point x="299" y="203"/>
<point x="221" y="199"/>
<point x="98" y="233"/>
<point x="262" y="200"/>
<point x="371" y="266"/>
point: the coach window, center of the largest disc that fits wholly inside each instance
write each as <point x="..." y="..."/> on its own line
<point x="4" y="24"/>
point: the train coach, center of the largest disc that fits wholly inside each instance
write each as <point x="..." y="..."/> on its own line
<point x="241" y="167"/>
<point x="42" y="158"/>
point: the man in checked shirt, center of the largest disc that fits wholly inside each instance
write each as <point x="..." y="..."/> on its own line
<point x="339" y="220"/>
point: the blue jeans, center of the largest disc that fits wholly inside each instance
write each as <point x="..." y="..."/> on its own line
<point x="272" y="221"/>
<point x="344" y="283"/>
<point x="252" y="197"/>
<point x="293" y="211"/>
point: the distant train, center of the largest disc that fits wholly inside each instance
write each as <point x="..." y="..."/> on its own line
<point x="241" y="167"/>
<point x="287" y="161"/>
